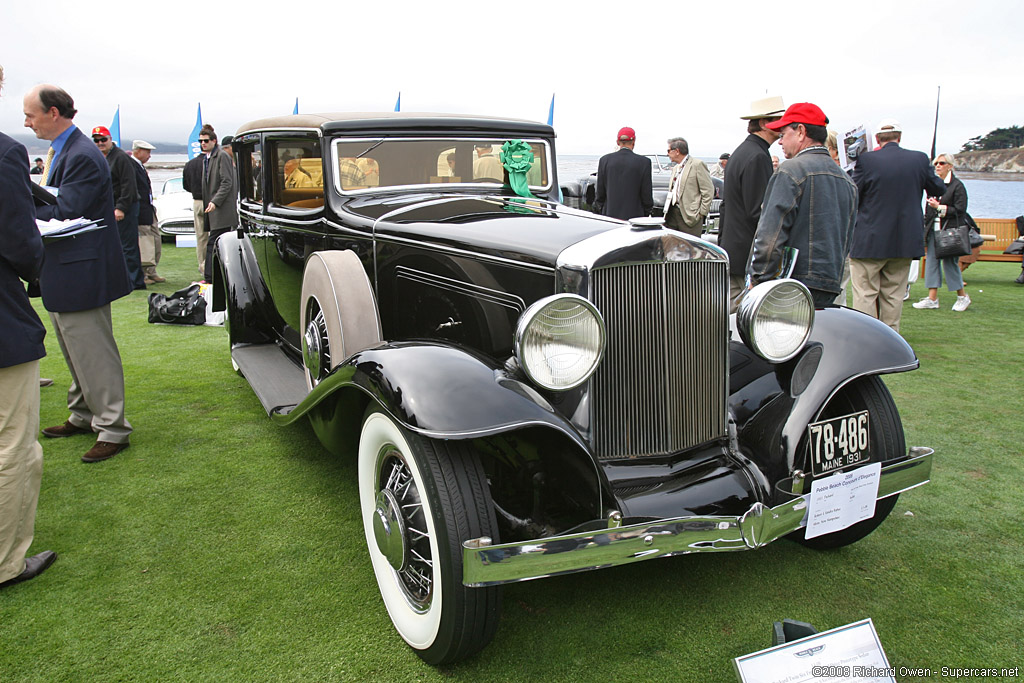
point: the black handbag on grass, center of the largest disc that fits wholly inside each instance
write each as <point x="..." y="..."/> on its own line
<point x="953" y="242"/>
<point x="184" y="307"/>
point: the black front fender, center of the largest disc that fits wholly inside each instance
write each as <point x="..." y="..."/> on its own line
<point x="440" y="391"/>
<point x="853" y="345"/>
<point x="774" y="404"/>
<point x="447" y="392"/>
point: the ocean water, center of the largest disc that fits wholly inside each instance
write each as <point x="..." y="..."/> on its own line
<point x="989" y="195"/>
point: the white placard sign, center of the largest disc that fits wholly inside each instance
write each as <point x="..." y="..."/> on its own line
<point x="848" y="654"/>
<point x="842" y="500"/>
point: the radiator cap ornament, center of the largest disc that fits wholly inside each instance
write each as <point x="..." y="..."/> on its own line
<point x="646" y="223"/>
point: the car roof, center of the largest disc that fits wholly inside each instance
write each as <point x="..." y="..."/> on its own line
<point x="384" y="121"/>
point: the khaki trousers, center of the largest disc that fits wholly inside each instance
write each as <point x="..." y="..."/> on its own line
<point x="879" y="285"/>
<point x="149" y="248"/>
<point x="96" y="394"/>
<point x="21" y="464"/>
<point x="202" y="236"/>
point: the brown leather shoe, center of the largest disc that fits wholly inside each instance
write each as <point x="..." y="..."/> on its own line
<point x="103" y="450"/>
<point x="157" y="278"/>
<point x="66" y="429"/>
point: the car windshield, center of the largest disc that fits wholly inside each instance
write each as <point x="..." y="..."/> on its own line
<point x="660" y="162"/>
<point x="368" y="163"/>
<point x="173" y="185"/>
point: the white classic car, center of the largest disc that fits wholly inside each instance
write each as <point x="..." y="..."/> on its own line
<point x="174" y="209"/>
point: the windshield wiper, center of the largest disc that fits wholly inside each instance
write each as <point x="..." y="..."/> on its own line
<point x="370" y="148"/>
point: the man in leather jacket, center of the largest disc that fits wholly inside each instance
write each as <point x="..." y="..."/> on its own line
<point x="810" y="205"/>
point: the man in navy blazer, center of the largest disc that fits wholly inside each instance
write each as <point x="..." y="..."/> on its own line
<point x="887" y="236"/>
<point x="624" y="181"/>
<point x="21" y="347"/>
<point x="82" y="275"/>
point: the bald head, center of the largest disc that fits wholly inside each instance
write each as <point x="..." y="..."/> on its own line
<point x="48" y="111"/>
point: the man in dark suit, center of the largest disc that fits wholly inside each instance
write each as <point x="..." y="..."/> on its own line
<point x="220" y="194"/>
<point x="192" y="181"/>
<point x="624" y="181"/>
<point x="82" y="275"/>
<point x="889" y="219"/>
<point x="149" y="233"/>
<point x="746" y="178"/>
<point x="21" y="347"/>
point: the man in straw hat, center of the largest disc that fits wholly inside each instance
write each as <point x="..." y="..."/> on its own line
<point x="746" y="177"/>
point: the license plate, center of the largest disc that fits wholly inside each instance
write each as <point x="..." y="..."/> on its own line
<point x="839" y="442"/>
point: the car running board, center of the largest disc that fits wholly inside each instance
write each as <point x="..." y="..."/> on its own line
<point x="278" y="382"/>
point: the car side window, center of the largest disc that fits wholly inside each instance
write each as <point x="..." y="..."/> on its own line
<point x="297" y="173"/>
<point x="250" y="183"/>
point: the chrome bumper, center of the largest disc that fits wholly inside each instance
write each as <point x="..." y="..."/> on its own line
<point x="488" y="565"/>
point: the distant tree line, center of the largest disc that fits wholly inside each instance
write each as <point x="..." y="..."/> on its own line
<point x="1000" y="138"/>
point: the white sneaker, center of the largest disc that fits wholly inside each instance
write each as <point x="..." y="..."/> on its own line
<point x="929" y="303"/>
<point x="962" y="302"/>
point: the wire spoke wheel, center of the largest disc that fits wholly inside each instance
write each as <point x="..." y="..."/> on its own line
<point x="421" y="499"/>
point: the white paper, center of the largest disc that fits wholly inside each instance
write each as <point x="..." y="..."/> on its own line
<point x="843" y="499"/>
<point x="845" y="654"/>
<point x="64" y="228"/>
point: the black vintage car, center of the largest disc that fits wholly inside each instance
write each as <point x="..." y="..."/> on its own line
<point x="531" y="389"/>
<point x="581" y="193"/>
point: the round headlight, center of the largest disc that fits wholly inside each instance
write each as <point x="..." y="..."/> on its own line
<point x="559" y="341"/>
<point x="775" y="319"/>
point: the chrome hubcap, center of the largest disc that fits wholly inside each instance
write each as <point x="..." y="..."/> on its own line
<point x="316" y="351"/>
<point x="401" y="531"/>
<point x="389" y="530"/>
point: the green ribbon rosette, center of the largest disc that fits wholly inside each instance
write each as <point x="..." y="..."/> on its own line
<point x="517" y="158"/>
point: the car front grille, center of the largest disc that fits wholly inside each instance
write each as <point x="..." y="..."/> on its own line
<point x="173" y="227"/>
<point x="661" y="386"/>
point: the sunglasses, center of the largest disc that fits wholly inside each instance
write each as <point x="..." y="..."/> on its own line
<point x="940" y="163"/>
<point x="201" y="140"/>
<point x="98" y="140"/>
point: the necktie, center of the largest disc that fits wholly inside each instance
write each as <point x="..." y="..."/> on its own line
<point x="206" y="166"/>
<point x="46" y="166"/>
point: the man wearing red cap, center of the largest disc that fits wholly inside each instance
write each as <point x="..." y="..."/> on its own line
<point x="810" y="205"/>
<point x="126" y="202"/>
<point x="624" y="181"/>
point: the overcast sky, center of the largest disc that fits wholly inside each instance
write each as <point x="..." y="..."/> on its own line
<point x="664" y="68"/>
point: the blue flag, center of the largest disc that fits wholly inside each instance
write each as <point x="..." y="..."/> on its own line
<point x="296" y="109"/>
<point x="398" y="102"/>
<point x="551" y="111"/>
<point x="194" y="149"/>
<point x="115" y="127"/>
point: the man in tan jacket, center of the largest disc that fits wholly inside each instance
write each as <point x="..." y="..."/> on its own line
<point x="690" y="190"/>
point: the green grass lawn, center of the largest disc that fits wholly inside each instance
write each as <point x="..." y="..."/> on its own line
<point x="220" y="547"/>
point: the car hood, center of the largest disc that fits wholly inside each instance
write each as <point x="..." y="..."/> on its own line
<point x="532" y="231"/>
